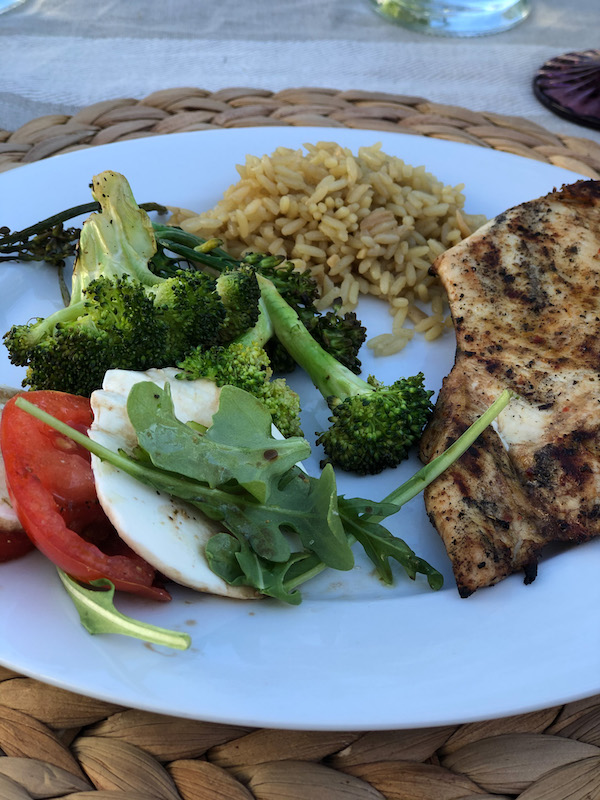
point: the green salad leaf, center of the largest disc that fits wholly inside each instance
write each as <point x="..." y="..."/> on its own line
<point x="98" y="614"/>
<point x="292" y="509"/>
<point x="239" y="445"/>
<point x="232" y="558"/>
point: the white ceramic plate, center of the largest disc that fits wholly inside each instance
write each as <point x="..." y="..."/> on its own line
<point x="354" y="655"/>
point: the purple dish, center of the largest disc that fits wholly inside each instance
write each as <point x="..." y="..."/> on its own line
<point x="569" y="85"/>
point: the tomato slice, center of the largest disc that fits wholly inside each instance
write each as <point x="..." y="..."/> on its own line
<point x="51" y="486"/>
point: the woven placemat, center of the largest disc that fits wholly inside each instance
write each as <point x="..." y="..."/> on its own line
<point x="57" y="744"/>
<point x="185" y="109"/>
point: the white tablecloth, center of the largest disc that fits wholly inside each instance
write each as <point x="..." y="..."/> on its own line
<point x="59" y="55"/>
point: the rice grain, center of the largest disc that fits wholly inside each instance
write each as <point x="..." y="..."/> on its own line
<point x="361" y="224"/>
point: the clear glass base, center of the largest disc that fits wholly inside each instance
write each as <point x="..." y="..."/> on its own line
<point x="455" y="17"/>
<point x="6" y="5"/>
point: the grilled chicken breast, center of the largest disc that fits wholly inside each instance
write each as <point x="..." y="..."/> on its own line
<point x="524" y="293"/>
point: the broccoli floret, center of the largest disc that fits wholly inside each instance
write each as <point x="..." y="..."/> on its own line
<point x="233" y="364"/>
<point x="118" y="304"/>
<point x="245" y="364"/>
<point x="120" y="324"/>
<point x="376" y="429"/>
<point x="69" y="362"/>
<point x="341" y="335"/>
<point x="298" y="288"/>
<point x="239" y="293"/>
<point x="373" y="426"/>
<point x="22" y="339"/>
<point x="284" y="405"/>
<point x="114" y="325"/>
<point x="192" y="312"/>
<point x="120" y="314"/>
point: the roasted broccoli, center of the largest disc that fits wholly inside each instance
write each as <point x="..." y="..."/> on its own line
<point x="373" y="426"/>
<point x="245" y="364"/>
<point x="120" y="314"/>
<point x="239" y="292"/>
<point x="189" y="307"/>
<point x="340" y="334"/>
<point x="71" y="350"/>
<point x="174" y="249"/>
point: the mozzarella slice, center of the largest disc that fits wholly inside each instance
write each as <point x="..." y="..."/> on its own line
<point x="169" y="533"/>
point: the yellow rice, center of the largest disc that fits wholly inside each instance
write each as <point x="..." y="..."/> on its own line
<point x="364" y="224"/>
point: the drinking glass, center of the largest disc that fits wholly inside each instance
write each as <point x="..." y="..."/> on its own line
<point x="5" y="5"/>
<point x="455" y="17"/>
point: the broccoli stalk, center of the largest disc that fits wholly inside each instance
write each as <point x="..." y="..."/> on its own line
<point x="373" y="426"/>
<point x="119" y="241"/>
<point x="245" y="364"/>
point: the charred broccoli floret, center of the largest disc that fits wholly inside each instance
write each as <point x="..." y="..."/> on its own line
<point x="239" y="293"/>
<point x="373" y="426"/>
<point x="341" y="335"/>
<point x="245" y="364"/>
<point x="119" y="324"/>
<point x="116" y="242"/>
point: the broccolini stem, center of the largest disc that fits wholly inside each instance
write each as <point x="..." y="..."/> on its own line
<point x="207" y="251"/>
<point x="194" y="248"/>
<point x="421" y="479"/>
<point x="63" y="216"/>
<point x="170" y="234"/>
<point x="49" y="222"/>
<point x="330" y="377"/>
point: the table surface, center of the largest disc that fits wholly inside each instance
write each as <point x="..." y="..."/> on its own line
<point x="57" y="56"/>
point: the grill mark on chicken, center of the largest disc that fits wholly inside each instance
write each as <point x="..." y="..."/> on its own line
<point x="524" y="292"/>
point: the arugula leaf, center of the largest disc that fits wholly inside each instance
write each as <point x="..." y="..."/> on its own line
<point x="308" y="507"/>
<point x="237" y="446"/>
<point x="258" y="552"/>
<point x="381" y="545"/>
<point x="232" y="559"/>
<point x="297" y="503"/>
<point x="305" y="506"/>
<point x="98" y="615"/>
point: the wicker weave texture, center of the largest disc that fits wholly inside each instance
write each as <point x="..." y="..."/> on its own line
<point x="191" y="109"/>
<point x="58" y="744"/>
